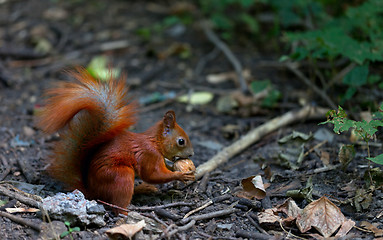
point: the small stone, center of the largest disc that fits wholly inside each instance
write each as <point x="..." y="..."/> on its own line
<point x="74" y="208"/>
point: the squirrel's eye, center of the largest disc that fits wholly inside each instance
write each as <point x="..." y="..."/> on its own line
<point x="181" y="142"/>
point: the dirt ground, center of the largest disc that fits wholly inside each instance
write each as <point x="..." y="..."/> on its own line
<point x="76" y="31"/>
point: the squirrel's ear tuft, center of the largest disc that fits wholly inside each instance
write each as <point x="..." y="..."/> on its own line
<point x="169" y="119"/>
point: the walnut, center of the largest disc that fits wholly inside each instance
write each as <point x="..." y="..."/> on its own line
<point x="184" y="165"/>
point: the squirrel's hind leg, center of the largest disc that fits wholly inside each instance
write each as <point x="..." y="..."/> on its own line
<point x="115" y="186"/>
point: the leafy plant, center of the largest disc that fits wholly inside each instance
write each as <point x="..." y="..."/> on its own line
<point x="365" y="130"/>
<point x="356" y="34"/>
<point x="229" y="15"/>
<point x="69" y="231"/>
<point x="273" y="94"/>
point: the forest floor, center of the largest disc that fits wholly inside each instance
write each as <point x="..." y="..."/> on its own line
<point x="72" y="33"/>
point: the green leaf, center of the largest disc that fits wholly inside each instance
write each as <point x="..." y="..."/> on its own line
<point x="197" y="98"/>
<point x="98" y="68"/>
<point x="366" y="127"/>
<point x="357" y="77"/>
<point x="251" y="22"/>
<point x="64" y="234"/>
<point x="271" y="99"/>
<point x="75" y="229"/>
<point x="373" y="79"/>
<point x="348" y="95"/>
<point x="259" y="86"/>
<point x="246" y="3"/>
<point x="378" y="159"/>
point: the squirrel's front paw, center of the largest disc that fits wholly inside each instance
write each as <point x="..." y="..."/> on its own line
<point x="187" y="176"/>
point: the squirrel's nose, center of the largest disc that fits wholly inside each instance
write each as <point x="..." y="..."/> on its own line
<point x="191" y="154"/>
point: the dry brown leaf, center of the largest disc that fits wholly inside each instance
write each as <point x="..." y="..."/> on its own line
<point x="19" y="210"/>
<point x="345" y="228"/>
<point x="254" y="186"/>
<point x="290" y="208"/>
<point x="377" y="232"/>
<point x="125" y="230"/>
<point x="323" y="215"/>
<point x="325" y="158"/>
<point x="269" y="216"/>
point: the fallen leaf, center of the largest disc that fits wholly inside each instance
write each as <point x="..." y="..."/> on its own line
<point x="345" y="228"/>
<point x="377" y="232"/>
<point x="325" y="158"/>
<point x="254" y="186"/>
<point x="290" y="208"/>
<point x="125" y="230"/>
<point x="323" y="215"/>
<point x="98" y="68"/>
<point x="269" y="216"/>
<point x="197" y="98"/>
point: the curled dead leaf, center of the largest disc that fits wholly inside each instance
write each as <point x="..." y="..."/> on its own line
<point x="125" y="230"/>
<point x="254" y="187"/>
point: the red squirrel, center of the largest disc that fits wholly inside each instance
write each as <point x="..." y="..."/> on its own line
<point x="97" y="154"/>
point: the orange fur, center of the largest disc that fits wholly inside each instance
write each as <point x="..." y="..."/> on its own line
<point x="97" y="154"/>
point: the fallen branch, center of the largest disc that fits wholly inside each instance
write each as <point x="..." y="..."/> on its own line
<point x="256" y="134"/>
<point x="182" y="228"/>
<point x="20" y="220"/>
<point x="301" y="76"/>
<point x="228" y="53"/>
<point x="210" y="215"/>
<point x="149" y="208"/>
<point x="19" y="197"/>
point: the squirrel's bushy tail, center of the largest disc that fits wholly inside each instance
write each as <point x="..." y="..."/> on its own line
<point x="86" y="114"/>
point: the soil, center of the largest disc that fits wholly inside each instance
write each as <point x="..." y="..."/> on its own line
<point x="74" y="32"/>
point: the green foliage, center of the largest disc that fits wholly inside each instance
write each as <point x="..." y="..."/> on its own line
<point x="356" y="35"/>
<point x="69" y="231"/>
<point x="229" y="15"/>
<point x="273" y="94"/>
<point x="365" y="130"/>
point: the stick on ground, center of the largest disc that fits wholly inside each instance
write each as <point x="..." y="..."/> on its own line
<point x="250" y="138"/>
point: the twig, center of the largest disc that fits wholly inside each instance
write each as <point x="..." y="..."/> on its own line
<point x="317" y="90"/>
<point x="151" y="208"/>
<point x="154" y="216"/>
<point x="340" y="75"/>
<point x="22" y="221"/>
<point x="228" y="53"/>
<point x="7" y="169"/>
<point x="161" y="104"/>
<point x="167" y="214"/>
<point x="203" y="61"/>
<point x="315" y="147"/>
<point x="205" y="216"/>
<point x="289" y="233"/>
<point x="182" y="228"/>
<point x="113" y="206"/>
<point x="208" y="203"/>
<point x="19" y="197"/>
<point x="203" y="183"/>
<point x="256" y="225"/>
<point x="256" y="134"/>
